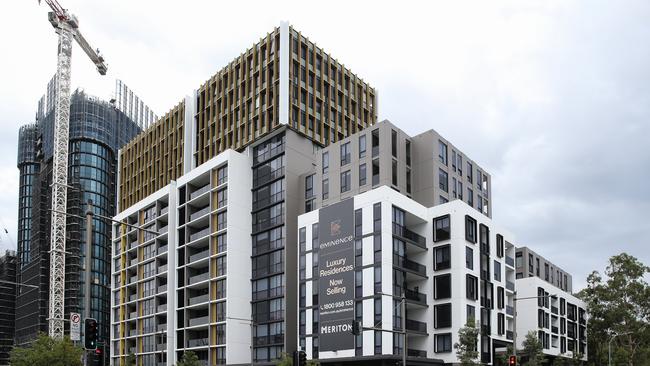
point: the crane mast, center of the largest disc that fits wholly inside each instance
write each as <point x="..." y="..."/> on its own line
<point x="66" y="26"/>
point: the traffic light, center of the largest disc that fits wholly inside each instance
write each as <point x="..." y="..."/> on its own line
<point x="90" y="333"/>
<point x="98" y="357"/>
<point x="299" y="358"/>
<point x="356" y="327"/>
<point x="512" y="361"/>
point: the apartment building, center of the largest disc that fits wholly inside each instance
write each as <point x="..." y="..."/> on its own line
<point x="531" y="264"/>
<point x="558" y="318"/>
<point x="182" y="282"/>
<point x="426" y="167"/>
<point x="449" y="262"/>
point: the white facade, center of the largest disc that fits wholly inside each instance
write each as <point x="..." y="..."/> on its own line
<point x="408" y="247"/>
<point x="560" y="321"/>
<point x="175" y="291"/>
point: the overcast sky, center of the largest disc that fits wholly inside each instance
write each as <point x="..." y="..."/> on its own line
<point x="551" y="97"/>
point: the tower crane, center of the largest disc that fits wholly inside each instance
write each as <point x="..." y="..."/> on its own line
<point x="67" y="27"/>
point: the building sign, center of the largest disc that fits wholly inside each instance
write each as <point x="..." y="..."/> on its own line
<point x="75" y="326"/>
<point x="336" y="276"/>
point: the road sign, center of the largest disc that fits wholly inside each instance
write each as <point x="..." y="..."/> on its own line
<point x="75" y="326"/>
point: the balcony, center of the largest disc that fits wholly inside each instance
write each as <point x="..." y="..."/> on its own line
<point x="510" y="285"/>
<point x="375" y="151"/>
<point x="200" y="213"/>
<point x="133" y="297"/>
<point x="268" y="201"/>
<point x="198" y="278"/>
<point x="198" y="299"/>
<point x="133" y="315"/>
<point x="510" y="310"/>
<point x="409" y="236"/>
<point x="416" y="353"/>
<point x="133" y="262"/>
<point x="267" y="340"/>
<point x="163" y="230"/>
<point x="409" y="265"/>
<point x="164" y="210"/>
<point x="200" y="191"/>
<point x="510" y="261"/>
<point x="554" y="330"/>
<point x="162" y="249"/>
<point x="162" y="308"/>
<point x="201" y="320"/>
<point x="199" y="234"/>
<point x="161" y="327"/>
<point x="199" y="342"/>
<point x="161" y="347"/>
<point x="416" y="326"/>
<point x="554" y="309"/>
<point x="162" y="268"/>
<point x="199" y="256"/>
<point x="133" y="279"/>
<point x="415" y="296"/>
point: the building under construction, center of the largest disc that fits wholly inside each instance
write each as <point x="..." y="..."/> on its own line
<point x="97" y="130"/>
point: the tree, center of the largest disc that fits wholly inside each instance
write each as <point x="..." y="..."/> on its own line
<point x="466" y="349"/>
<point x="503" y="358"/>
<point x="189" y="359"/>
<point x="532" y="350"/>
<point x="46" y="351"/>
<point x="618" y="304"/>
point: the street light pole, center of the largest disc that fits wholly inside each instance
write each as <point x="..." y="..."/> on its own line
<point x="609" y="347"/>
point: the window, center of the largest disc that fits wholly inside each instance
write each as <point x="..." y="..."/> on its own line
<point x="441" y="228"/>
<point x="470" y="172"/>
<point x="393" y="142"/>
<point x="377" y="279"/>
<point x="453" y="188"/>
<point x="443" y="200"/>
<point x="500" y="298"/>
<point x="442" y="152"/>
<point x="443" y="343"/>
<point x="326" y="162"/>
<point x="479" y="179"/>
<point x="545" y="271"/>
<point x="442" y="287"/>
<point x="345" y="181"/>
<point x="442" y="316"/>
<point x="442" y="257"/>
<point x="501" y="324"/>
<point x="453" y="159"/>
<point x="222" y="175"/>
<point x="362" y="174"/>
<point x="519" y="260"/>
<point x="470" y="197"/>
<point x="497" y="271"/>
<point x="378" y="342"/>
<point x="470" y="229"/>
<point x="408" y="152"/>
<point x="362" y="146"/>
<point x="443" y="180"/>
<point x="530" y="263"/>
<point x="345" y="153"/>
<point x="375" y="143"/>
<point x="471" y="312"/>
<point x="309" y="186"/>
<point x="375" y="172"/>
<point x="408" y="180"/>
<point x="469" y="258"/>
<point x="484" y="238"/>
<point x="500" y="248"/>
<point x="326" y="188"/>
<point x="471" y="287"/>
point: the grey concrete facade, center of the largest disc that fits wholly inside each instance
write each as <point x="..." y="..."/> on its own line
<point x="530" y="264"/>
<point x="410" y="165"/>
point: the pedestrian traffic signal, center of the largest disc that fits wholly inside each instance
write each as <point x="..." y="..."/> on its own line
<point x="512" y="361"/>
<point x="90" y="333"/>
<point x="98" y="357"/>
<point x="356" y="327"/>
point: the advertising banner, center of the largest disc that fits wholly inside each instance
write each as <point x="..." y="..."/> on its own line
<point x="336" y="276"/>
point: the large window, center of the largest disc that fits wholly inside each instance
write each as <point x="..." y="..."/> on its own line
<point x="442" y="257"/>
<point x="346" y="181"/>
<point x="469" y="258"/>
<point x="497" y="271"/>
<point x="470" y="229"/>
<point x="441" y="228"/>
<point x="443" y="180"/>
<point x="326" y="162"/>
<point x="362" y="146"/>
<point x="326" y="188"/>
<point x="309" y="186"/>
<point x="442" y="287"/>
<point x="484" y="237"/>
<point x="443" y="343"/>
<point x="442" y="316"/>
<point x="345" y="153"/>
<point x="442" y="152"/>
<point x="471" y="284"/>
<point x="393" y="143"/>
<point x="362" y="174"/>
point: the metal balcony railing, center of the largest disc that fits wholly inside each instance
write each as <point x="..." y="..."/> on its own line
<point x="415" y="296"/>
<point x="409" y="265"/>
<point x="416" y="353"/>
<point x="409" y="235"/>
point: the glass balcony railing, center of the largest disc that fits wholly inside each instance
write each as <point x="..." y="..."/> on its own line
<point x="409" y="235"/>
<point x="510" y="261"/>
<point x="199" y="278"/>
<point x="416" y="353"/>
<point x="416" y="326"/>
<point x="510" y="310"/>
<point x="200" y="191"/>
<point x="199" y="342"/>
<point x="510" y="285"/>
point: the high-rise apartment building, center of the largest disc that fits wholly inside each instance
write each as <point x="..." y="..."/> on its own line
<point x="7" y="304"/>
<point x="97" y="130"/>
<point x="531" y="264"/>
